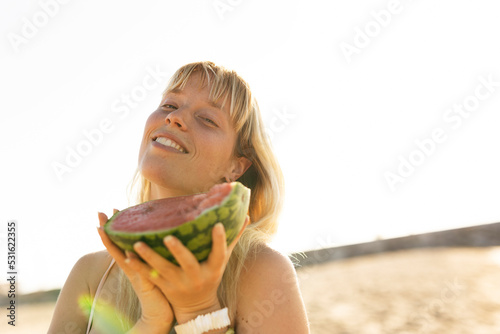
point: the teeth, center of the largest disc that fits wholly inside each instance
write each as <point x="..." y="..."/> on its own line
<point x="168" y="142"/>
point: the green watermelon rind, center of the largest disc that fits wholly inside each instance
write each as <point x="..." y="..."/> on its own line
<point x="196" y="234"/>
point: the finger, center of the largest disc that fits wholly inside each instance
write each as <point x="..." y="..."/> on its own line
<point x="113" y="250"/>
<point x="121" y="259"/>
<point x="187" y="261"/>
<point x="129" y="262"/>
<point x="104" y="237"/>
<point x="137" y="272"/>
<point x="155" y="260"/>
<point x="102" y="218"/>
<point x="217" y="257"/>
<point x="115" y="211"/>
<point x="133" y="261"/>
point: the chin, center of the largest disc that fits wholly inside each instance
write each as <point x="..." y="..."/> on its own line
<point x="174" y="180"/>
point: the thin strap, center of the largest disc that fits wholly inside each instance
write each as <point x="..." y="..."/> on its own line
<point x="99" y="288"/>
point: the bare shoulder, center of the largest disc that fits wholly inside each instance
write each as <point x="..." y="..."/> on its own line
<point x="267" y="264"/>
<point x="92" y="266"/>
<point x="96" y="257"/>
<point x="269" y="298"/>
<point x="82" y="281"/>
<point x="89" y="269"/>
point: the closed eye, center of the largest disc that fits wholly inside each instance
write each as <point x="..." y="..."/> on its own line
<point x="208" y="120"/>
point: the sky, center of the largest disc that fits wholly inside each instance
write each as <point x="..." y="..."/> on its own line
<point x="383" y="114"/>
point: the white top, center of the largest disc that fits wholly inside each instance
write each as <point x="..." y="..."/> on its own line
<point x="99" y="288"/>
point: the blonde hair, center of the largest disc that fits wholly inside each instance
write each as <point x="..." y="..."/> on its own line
<point x="263" y="177"/>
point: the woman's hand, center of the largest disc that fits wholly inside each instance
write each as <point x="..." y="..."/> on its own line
<point x="157" y="315"/>
<point x="191" y="287"/>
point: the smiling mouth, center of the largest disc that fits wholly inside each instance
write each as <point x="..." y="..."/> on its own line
<point x="170" y="143"/>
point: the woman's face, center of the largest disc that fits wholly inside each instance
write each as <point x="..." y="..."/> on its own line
<point x="188" y="144"/>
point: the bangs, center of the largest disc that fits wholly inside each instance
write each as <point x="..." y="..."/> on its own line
<point x="226" y="86"/>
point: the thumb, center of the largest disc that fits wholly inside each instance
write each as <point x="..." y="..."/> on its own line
<point x="102" y="218"/>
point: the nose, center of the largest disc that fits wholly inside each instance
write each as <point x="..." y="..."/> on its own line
<point x="174" y="118"/>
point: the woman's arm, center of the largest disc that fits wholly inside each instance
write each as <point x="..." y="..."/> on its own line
<point x="269" y="299"/>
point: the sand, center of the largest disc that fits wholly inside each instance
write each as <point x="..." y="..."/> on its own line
<point x="448" y="290"/>
<point x="437" y="291"/>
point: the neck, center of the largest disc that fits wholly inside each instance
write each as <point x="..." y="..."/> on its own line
<point x="158" y="192"/>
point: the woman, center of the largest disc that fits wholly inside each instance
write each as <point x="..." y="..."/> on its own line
<point x="207" y="130"/>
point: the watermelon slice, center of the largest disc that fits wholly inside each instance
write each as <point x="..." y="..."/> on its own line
<point x="189" y="218"/>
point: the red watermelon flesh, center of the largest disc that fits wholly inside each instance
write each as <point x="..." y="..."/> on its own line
<point x="175" y="211"/>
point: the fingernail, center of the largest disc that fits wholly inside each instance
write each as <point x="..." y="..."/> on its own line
<point x="169" y="241"/>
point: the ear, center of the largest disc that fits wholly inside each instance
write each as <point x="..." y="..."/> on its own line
<point x="240" y="166"/>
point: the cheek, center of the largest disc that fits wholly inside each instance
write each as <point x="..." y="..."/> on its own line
<point x="219" y="151"/>
<point x="151" y="124"/>
<point x="216" y="145"/>
<point x="154" y="120"/>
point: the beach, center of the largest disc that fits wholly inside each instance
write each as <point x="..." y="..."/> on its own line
<point x="430" y="290"/>
<point x="438" y="291"/>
